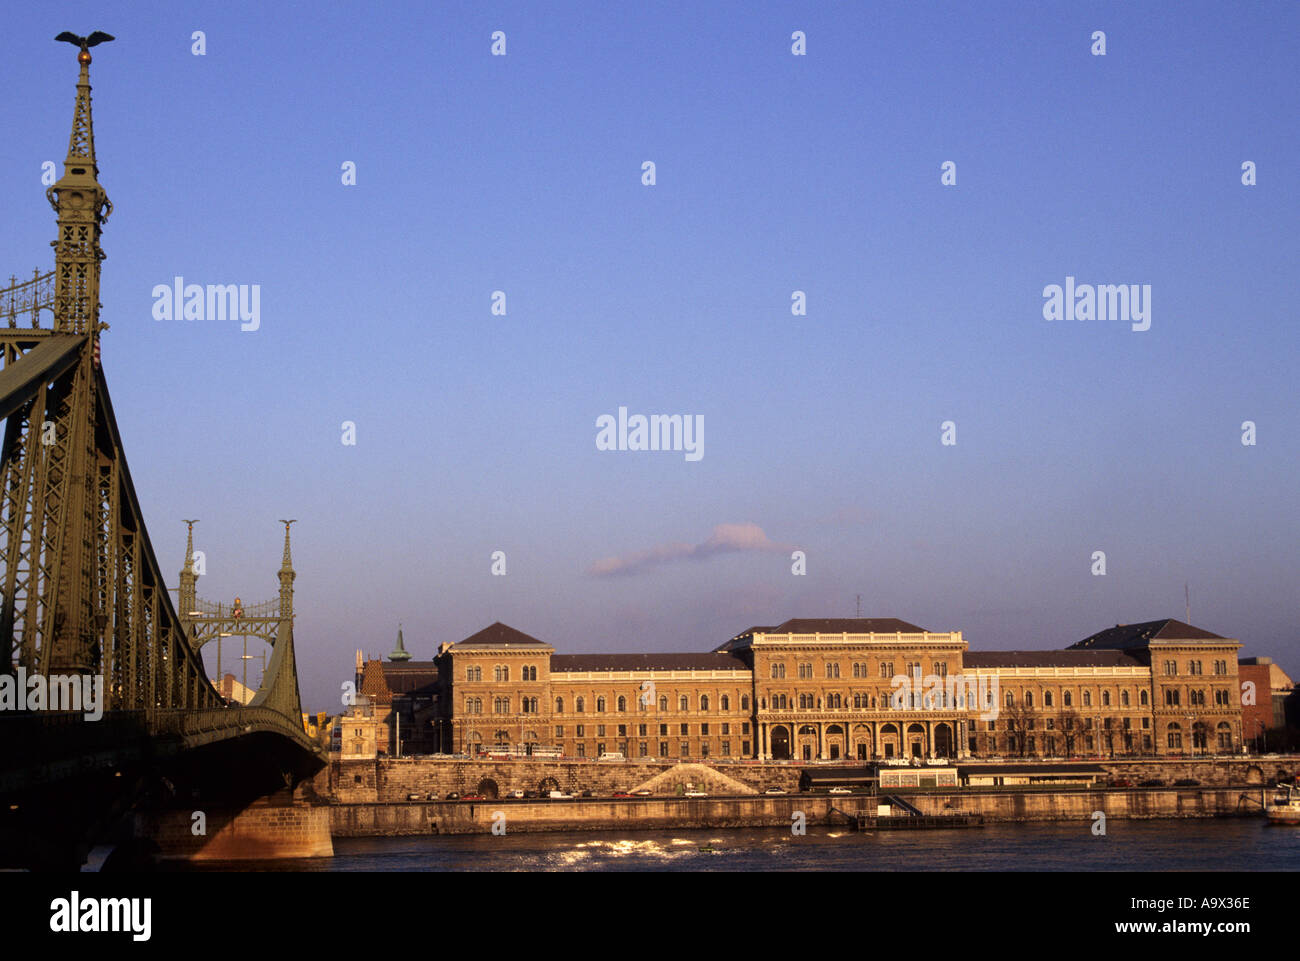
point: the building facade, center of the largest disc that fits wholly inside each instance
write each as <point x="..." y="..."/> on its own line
<point x="808" y="689"/>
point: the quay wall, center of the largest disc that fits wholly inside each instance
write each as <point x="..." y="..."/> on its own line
<point x="594" y="814"/>
<point x="389" y="779"/>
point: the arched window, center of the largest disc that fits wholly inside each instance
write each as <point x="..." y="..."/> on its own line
<point x="559" y="705"/>
<point x="663" y="703"/>
<point x="1087" y="698"/>
<point x="581" y="705"/>
<point x="1123" y="698"/>
<point x="1011" y="699"/>
<point x="1068" y="698"/>
<point x="778" y="672"/>
<point x="600" y="705"/>
<point x="725" y="703"/>
<point x="704" y="702"/>
<point x="1047" y="699"/>
<point x="1029" y="698"/>
<point x="1105" y="698"/>
<point x="1142" y="698"/>
<point x="744" y="702"/>
<point x="622" y="703"/>
<point x="683" y="703"/>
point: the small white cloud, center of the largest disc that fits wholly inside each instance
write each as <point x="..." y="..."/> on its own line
<point x="725" y="539"/>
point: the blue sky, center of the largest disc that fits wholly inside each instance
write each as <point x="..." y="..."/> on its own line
<point x="821" y="173"/>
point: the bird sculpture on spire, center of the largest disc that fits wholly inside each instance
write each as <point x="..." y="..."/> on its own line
<point x="96" y="38"/>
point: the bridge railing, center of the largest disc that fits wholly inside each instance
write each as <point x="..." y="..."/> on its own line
<point x="30" y="297"/>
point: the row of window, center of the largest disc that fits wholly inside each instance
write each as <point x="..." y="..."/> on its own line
<point x="1067" y="723"/>
<point x="643" y="702"/>
<point x="580" y="730"/>
<point x="859" y="701"/>
<point x="528" y="705"/>
<point x="861" y="669"/>
<point x="1195" y="668"/>
<point x="501" y="672"/>
<point x="1173" y="740"/>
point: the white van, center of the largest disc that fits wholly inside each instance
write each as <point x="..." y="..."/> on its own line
<point x="560" y="796"/>
<point x="612" y="756"/>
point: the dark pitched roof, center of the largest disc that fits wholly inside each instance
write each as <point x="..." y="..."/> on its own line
<point x="691" y="661"/>
<point x="1127" y="637"/>
<point x="735" y="642"/>
<point x="411" y="677"/>
<point x="500" y="635"/>
<point x="1071" y="658"/>
<point x="846" y="625"/>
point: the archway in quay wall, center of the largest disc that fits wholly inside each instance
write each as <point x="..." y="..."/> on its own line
<point x="488" y="788"/>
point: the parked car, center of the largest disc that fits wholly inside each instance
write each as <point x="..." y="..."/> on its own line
<point x="559" y="796"/>
<point x="612" y="756"/>
<point x="453" y="796"/>
<point x="432" y="796"/>
<point x="776" y="790"/>
<point x="1120" y="782"/>
<point x="515" y="794"/>
<point x="1152" y="782"/>
<point x="839" y="790"/>
<point x="621" y="794"/>
<point x="696" y="794"/>
<point x="1187" y="782"/>
<point x="414" y="797"/>
<point x="473" y="797"/>
<point x="643" y="793"/>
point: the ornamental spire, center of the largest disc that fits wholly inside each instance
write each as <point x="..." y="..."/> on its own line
<point x="82" y="206"/>
<point x="189" y="577"/>
<point x="399" y="653"/>
<point x="286" y="574"/>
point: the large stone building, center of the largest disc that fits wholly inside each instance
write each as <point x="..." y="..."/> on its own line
<point x="819" y="689"/>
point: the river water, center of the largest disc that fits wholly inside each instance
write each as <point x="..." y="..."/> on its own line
<point x="1210" y="844"/>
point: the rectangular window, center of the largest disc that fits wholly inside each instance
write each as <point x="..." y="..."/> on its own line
<point x="663" y="730"/>
<point x="726" y="748"/>
<point x="582" y="750"/>
<point x="622" y="730"/>
<point x="600" y="730"/>
<point x="744" y="748"/>
<point x="704" y="749"/>
<point x="600" y="749"/>
<point x="744" y="728"/>
<point x="579" y="730"/>
<point x="685" y="730"/>
<point x="704" y="730"/>
<point x="686" y="749"/>
<point x="726" y="729"/>
<point x="559" y="730"/>
<point x="663" y="748"/>
<point x="641" y="749"/>
<point x="641" y="729"/>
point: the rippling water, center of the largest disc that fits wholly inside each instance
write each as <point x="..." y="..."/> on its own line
<point x="1192" y="845"/>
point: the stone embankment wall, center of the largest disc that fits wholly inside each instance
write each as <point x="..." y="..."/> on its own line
<point x="395" y="779"/>
<point x="372" y="797"/>
<point x="515" y="816"/>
